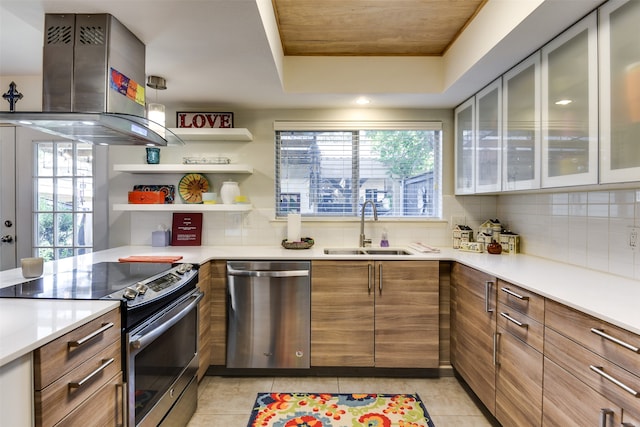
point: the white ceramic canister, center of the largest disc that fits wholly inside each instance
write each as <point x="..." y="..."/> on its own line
<point x="229" y="191"/>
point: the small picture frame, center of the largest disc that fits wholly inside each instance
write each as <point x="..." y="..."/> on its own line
<point x="203" y="120"/>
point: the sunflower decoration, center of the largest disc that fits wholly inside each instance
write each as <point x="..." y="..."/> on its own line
<point x="191" y="187"/>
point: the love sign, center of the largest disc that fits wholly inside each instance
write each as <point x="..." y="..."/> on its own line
<point x="197" y="120"/>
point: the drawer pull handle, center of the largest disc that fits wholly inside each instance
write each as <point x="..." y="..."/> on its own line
<point x="599" y="370"/>
<point x="604" y="413"/>
<point x="487" y="289"/>
<point x="100" y="368"/>
<point x="92" y="335"/>
<point x="513" y="294"/>
<point x="601" y="333"/>
<point x="511" y="319"/>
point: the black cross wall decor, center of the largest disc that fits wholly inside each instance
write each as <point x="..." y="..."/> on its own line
<point x="12" y="96"/>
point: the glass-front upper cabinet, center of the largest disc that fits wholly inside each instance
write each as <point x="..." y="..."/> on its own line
<point x="521" y="125"/>
<point x="570" y="106"/>
<point x="488" y="177"/>
<point x="464" y="155"/>
<point x="619" y="91"/>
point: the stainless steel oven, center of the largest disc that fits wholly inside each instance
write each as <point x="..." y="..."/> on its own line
<point x="162" y="362"/>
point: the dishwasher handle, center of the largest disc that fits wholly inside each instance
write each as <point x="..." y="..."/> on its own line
<point x="267" y="273"/>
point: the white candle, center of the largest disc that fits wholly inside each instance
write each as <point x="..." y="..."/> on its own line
<point x="294" y="227"/>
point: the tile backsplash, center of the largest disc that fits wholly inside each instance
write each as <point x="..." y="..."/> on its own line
<point x="591" y="229"/>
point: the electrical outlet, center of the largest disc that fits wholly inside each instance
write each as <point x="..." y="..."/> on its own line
<point x="633" y="239"/>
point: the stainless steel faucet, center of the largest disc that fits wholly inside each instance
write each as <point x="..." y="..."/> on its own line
<point x="363" y="240"/>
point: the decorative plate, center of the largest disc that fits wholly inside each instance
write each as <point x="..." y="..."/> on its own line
<point x="191" y="187"/>
<point x="169" y="191"/>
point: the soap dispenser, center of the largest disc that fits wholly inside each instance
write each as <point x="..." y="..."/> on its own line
<point x="384" y="240"/>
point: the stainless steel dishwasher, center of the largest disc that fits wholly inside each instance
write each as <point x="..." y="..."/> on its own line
<point x="269" y="312"/>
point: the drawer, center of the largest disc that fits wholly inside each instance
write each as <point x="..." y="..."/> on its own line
<point x="578" y="326"/>
<point x="60" y="356"/>
<point x="522" y="327"/>
<point x="578" y="360"/>
<point x="104" y="408"/>
<point x="569" y="402"/>
<point x="520" y="299"/>
<point x="61" y="397"/>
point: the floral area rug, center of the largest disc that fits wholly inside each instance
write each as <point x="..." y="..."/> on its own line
<point x="339" y="410"/>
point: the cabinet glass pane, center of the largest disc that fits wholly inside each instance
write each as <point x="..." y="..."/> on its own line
<point x="621" y="91"/>
<point x="488" y="144"/>
<point x="464" y="148"/>
<point x="569" y="107"/>
<point x="521" y="126"/>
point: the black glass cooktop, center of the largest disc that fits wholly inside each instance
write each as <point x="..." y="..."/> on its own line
<point x="91" y="282"/>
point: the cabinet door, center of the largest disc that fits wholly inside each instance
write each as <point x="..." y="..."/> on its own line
<point x="464" y="136"/>
<point x="475" y="326"/>
<point x="342" y="313"/>
<point x="218" y="315"/>
<point x="488" y="155"/>
<point x="204" y="320"/>
<point x="406" y="314"/>
<point x="570" y="107"/>
<point x="521" y="126"/>
<point x="518" y="382"/>
<point x="619" y="91"/>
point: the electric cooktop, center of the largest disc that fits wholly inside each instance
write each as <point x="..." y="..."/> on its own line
<point x="86" y="283"/>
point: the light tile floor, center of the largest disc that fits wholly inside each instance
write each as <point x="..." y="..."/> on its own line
<point x="227" y="402"/>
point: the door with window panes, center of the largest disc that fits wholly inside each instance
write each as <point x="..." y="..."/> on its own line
<point x="54" y="200"/>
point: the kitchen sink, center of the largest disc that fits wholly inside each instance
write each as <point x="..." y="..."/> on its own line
<point x="366" y="251"/>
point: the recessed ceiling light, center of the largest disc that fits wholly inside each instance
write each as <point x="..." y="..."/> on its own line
<point x="564" y="102"/>
<point x="363" y="100"/>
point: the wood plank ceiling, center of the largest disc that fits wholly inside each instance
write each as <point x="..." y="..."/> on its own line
<point x="372" y="27"/>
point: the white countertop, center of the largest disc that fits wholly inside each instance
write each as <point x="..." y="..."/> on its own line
<point x="27" y="324"/>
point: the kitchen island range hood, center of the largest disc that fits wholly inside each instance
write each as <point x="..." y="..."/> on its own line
<point x="93" y="84"/>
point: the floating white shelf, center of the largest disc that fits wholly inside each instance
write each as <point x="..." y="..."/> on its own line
<point x="213" y="134"/>
<point x="181" y="207"/>
<point x="182" y="168"/>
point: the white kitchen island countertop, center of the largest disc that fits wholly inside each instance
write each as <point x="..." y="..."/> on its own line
<point x="606" y="296"/>
<point x="28" y="324"/>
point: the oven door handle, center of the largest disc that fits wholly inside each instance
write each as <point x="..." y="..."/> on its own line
<point x="177" y="313"/>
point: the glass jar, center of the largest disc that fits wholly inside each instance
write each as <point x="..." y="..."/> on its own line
<point x="229" y="191"/>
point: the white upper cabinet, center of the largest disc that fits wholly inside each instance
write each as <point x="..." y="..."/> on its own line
<point x="619" y="91"/>
<point x="521" y="126"/>
<point x="465" y="147"/>
<point x="488" y="135"/>
<point x="570" y="106"/>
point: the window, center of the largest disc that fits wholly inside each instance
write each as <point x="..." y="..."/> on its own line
<point x="63" y="205"/>
<point x="330" y="169"/>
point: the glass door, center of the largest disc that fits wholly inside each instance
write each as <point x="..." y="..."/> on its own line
<point x="569" y="107"/>
<point x="8" y="255"/>
<point x="488" y="167"/>
<point x="619" y="91"/>
<point x="465" y="146"/>
<point x="521" y="126"/>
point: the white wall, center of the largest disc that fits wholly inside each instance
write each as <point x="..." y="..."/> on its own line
<point x="258" y="226"/>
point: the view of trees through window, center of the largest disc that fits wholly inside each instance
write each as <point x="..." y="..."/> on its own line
<point x="332" y="173"/>
<point x="63" y="214"/>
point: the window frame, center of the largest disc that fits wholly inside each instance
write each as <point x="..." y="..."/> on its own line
<point x="355" y="127"/>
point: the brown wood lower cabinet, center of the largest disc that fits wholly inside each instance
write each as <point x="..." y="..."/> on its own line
<point x="204" y="319"/>
<point x="375" y="314"/>
<point x="78" y="377"/>
<point x="218" y="312"/>
<point x="474" y="323"/>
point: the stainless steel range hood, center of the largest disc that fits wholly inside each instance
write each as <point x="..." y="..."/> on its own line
<point x="93" y="84"/>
